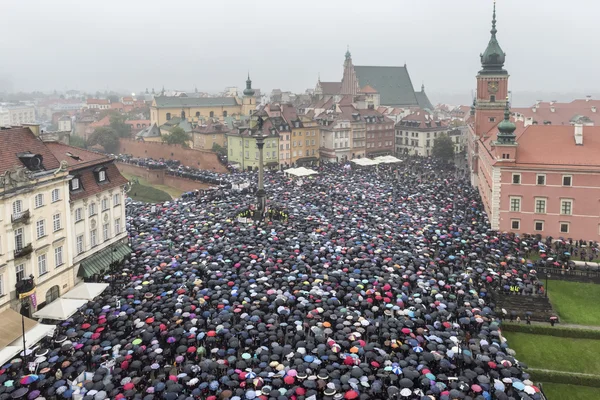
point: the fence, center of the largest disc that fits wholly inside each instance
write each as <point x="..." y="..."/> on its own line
<point x="572" y="275"/>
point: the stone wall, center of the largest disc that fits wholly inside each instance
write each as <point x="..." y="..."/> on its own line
<point x="201" y="159"/>
<point x="158" y="177"/>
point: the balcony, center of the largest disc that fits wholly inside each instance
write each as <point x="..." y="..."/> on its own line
<point x="22" y="216"/>
<point x="23" y="251"/>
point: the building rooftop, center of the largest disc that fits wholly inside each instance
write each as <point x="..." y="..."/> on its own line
<point x="178" y="102"/>
<point x="22" y="140"/>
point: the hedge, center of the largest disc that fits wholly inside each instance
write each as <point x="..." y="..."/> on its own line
<point x="549" y="330"/>
<point x="567" y="378"/>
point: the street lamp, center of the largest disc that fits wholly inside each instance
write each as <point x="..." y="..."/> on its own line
<point x="548" y="275"/>
<point x="261" y="195"/>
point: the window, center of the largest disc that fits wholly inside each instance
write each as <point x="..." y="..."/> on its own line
<point x="539" y="225"/>
<point x="168" y="116"/>
<point x="516" y="178"/>
<point x="17" y="207"/>
<point x="56" y="223"/>
<point x="75" y="184"/>
<point x="42" y="267"/>
<point x="79" y="244"/>
<point x="58" y="257"/>
<point x="197" y="114"/>
<point x="492" y="100"/>
<point x="55" y="195"/>
<point x="18" y="239"/>
<point x="515" y="204"/>
<point x="78" y="214"/>
<point x="101" y="176"/>
<point x="566" y="207"/>
<point x="567" y="180"/>
<point x="211" y="114"/>
<point x="564" y="227"/>
<point x="117" y="225"/>
<point x="92" y="209"/>
<point x="247" y="155"/>
<point x="224" y="113"/>
<point x="20" y="272"/>
<point x="515" y="224"/>
<point x="540" y="206"/>
<point x="41" y="228"/>
<point x="39" y="200"/>
<point x="93" y="237"/>
<point x="104" y="204"/>
<point x="540" y="179"/>
<point x="116" y="199"/>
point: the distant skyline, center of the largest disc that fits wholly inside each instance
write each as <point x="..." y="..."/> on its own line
<point x="133" y="45"/>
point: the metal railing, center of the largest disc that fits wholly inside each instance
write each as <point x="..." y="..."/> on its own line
<point x="24" y="251"/>
<point x="22" y="216"/>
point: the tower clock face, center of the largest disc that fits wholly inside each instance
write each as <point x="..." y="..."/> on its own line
<point x="493" y="87"/>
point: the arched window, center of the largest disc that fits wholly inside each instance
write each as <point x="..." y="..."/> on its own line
<point x="212" y="114"/>
<point x="168" y="116"/>
<point x="52" y="294"/>
<point x="224" y="113"/>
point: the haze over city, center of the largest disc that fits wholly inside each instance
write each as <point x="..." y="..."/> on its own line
<point x="131" y="45"/>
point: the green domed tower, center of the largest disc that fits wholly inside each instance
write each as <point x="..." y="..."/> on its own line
<point x="493" y="58"/>
<point x="506" y="128"/>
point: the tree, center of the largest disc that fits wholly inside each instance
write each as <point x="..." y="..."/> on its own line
<point x="106" y="137"/>
<point x="177" y="136"/>
<point x="117" y="122"/>
<point x="77" y="141"/>
<point x="443" y="147"/>
<point x="217" y="148"/>
<point x="113" y="98"/>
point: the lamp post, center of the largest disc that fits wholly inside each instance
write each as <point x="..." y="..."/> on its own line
<point x="547" y="276"/>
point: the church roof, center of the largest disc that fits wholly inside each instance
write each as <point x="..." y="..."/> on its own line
<point x="177" y="102"/>
<point x="331" y="88"/>
<point x="423" y="101"/>
<point x="393" y="84"/>
<point x="368" y="89"/>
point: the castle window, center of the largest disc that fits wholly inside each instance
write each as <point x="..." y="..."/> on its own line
<point x="212" y="114"/>
<point x="168" y="116"/>
<point x="492" y="99"/>
<point x="492" y="119"/>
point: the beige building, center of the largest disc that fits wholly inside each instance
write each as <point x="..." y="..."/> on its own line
<point x="205" y="136"/>
<point x="194" y="109"/>
<point x="34" y="222"/>
<point x="16" y="115"/>
<point x="96" y="210"/>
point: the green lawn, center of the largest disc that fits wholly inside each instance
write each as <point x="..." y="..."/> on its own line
<point x="575" y="302"/>
<point x="555" y="353"/>
<point x="557" y="391"/>
<point x="173" y="193"/>
<point x="148" y="194"/>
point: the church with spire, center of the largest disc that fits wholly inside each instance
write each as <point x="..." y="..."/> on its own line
<point x="386" y="86"/>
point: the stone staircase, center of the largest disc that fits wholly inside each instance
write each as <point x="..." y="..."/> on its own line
<point x="539" y="306"/>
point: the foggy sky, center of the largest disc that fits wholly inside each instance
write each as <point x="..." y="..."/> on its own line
<point x="181" y="44"/>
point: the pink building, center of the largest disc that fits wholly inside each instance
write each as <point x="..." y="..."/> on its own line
<point x="532" y="178"/>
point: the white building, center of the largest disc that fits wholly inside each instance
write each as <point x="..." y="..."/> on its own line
<point x="98" y="104"/>
<point x="16" y="115"/>
<point x="65" y="124"/>
<point x="416" y="133"/>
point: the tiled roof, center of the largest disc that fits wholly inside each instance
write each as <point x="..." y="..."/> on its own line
<point x="562" y="113"/>
<point x="98" y="101"/>
<point x="149" y="132"/>
<point x="368" y="90"/>
<point x="78" y="157"/>
<point x="102" y="122"/>
<point x="288" y="112"/>
<point x="212" y="127"/>
<point x="331" y="88"/>
<point x="393" y="84"/>
<point x="21" y="140"/>
<point x="177" y="102"/>
<point x="91" y="187"/>
<point x="420" y="119"/>
<point x="554" y="146"/>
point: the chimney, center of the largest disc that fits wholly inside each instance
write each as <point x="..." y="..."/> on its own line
<point x="588" y="97"/>
<point x="552" y="109"/>
<point x="578" y="134"/>
<point x="534" y="109"/>
<point x="593" y="109"/>
<point x="552" y="102"/>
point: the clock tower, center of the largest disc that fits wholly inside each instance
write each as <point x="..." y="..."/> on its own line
<point x="492" y="85"/>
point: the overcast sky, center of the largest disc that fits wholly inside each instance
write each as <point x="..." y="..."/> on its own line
<point x="138" y="44"/>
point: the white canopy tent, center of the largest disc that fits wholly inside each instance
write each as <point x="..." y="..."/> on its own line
<point x="364" y="162"/>
<point x="387" y="159"/>
<point x="86" y="291"/>
<point x="32" y="337"/>
<point x="60" y="309"/>
<point x="300" y="171"/>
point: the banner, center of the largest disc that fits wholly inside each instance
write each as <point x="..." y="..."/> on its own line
<point x="26" y="294"/>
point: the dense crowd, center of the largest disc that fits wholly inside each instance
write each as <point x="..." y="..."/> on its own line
<point x="373" y="284"/>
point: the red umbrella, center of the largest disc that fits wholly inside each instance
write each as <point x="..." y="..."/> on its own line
<point x="128" y="386"/>
<point x="289" y="380"/>
<point x="352" y="394"/>
<point x="191" y="349"/>
<point x="211" y="333"/>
